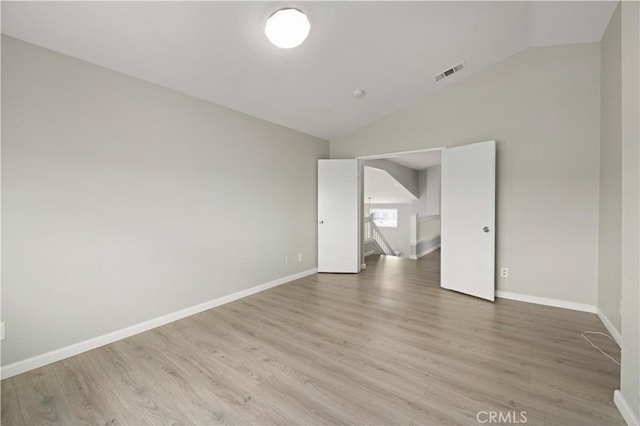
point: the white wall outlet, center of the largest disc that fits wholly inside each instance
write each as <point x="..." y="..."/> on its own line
<point x="286" y="260"/>
<point x="504" y="272"/>
<point x="2" y="330"/>
<point x="299" y="257"/>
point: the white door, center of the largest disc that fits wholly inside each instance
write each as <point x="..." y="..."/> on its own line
<point x="338" y="206"/>
<point x="468" y="219"/>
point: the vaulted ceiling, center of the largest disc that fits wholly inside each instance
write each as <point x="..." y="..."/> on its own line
<point x="381" y="188"/>
<point x="217" y="51"/>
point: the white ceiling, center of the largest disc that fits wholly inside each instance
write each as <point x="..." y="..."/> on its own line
<point x="384" y="189"/>
<point x="418" y="160"/>
<point x="218" y="52"/>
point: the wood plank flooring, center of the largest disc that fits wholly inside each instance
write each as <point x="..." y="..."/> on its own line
<point x="386" y="346"/>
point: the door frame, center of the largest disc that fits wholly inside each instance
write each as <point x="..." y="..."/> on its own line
<point x="361" y="160"/>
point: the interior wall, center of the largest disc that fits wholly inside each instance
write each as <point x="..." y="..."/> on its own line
<point x="610" y="212"/>
<point x="123" y="201"/>
<point x="420" y="205"/>
<point x="546" y="123"/>
<point x="404" y="175"/>
<point x="428" y="202"/>
<point x="630" y="370"/>
<point x="433" y="191"/>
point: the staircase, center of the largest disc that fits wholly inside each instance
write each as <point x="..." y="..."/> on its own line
<point x="376" y="241"/>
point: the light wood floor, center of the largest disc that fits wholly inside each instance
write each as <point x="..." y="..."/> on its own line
<point x="386" y="346"/>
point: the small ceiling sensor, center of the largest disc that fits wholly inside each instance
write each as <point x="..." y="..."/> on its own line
<point x="359" y="94"/>
<point x="287" y="28"/>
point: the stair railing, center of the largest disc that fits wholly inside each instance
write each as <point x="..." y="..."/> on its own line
<point x="373" y="232"/>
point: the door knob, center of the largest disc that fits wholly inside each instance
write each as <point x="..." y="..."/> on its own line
<point x="486" y="229"/>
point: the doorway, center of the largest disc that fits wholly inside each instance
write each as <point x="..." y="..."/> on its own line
<point x="400" y="203"/>
<point x="466" y="216"/>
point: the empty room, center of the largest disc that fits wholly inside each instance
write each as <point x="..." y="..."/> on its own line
<point x="310" y="213"/>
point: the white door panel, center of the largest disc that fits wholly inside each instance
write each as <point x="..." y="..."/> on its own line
<point x="338" y="231"/>
<point x="468" y="219"/>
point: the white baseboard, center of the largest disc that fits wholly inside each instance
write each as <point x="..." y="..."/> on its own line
<point x="424" y="253"/>
<point x="87" y="345"/>
<point x="429" y="250"/>
<point x="363" y="266"/>
<point x="610" y="327"/>
<point x="369" y="253"/>
<point x="625" y="409"/>
<point x="547" y="301"/>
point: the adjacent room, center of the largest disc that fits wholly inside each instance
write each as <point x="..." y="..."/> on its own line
<point x="402" y="204"/>
<point x="340" y="212"/>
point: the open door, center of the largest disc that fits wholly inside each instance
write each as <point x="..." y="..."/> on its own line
<point x="468" y="219"/>
<point x="338" y="224"/>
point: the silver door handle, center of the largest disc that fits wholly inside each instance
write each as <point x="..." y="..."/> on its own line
<point x="486" y="229"/>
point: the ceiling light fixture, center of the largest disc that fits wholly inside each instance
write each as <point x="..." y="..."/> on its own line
<point x="359" y="93"/>
<point x="287" y="28"/>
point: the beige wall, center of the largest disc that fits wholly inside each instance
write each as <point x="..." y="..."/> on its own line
<point x="543" y="108"/>
<point x="123" y="201"/>
<point x="433" y="190"/>
<point x="630" y="370"/>
<point x="610" y="212"/>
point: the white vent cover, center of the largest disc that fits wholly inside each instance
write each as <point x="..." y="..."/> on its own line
<point x="450" y="71"/>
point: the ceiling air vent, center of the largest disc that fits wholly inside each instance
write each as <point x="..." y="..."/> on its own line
<point x="447" y="73"/>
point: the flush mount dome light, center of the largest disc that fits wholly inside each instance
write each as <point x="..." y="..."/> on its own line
<point x="359" y="94"/>
<point x="287" y="28"/>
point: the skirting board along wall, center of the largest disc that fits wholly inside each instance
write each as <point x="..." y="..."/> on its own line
<point x="424" y="253"/>
<point x="615" y="333"/>
<point x="78" y="348"/>
<point x="424" y="247"/>
<point x="547" y="301"/>
<point x="625" y="409"/>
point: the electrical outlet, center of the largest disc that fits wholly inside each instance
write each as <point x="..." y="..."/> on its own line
<point x="299" y="257"/>
<point x="2" y="330"/>
<point x="286" y="260"/>
<point x="504" y="272"/>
